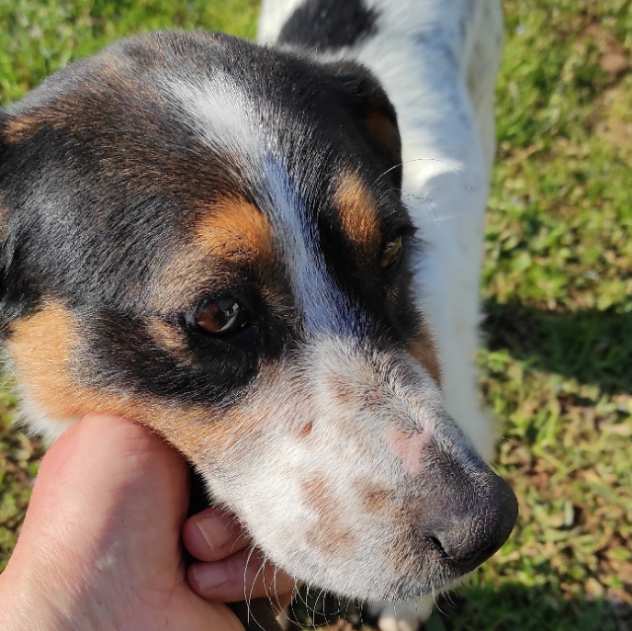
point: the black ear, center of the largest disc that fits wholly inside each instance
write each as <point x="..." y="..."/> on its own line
<point x="4" y="223"/>
<point x="374" y="113"/>
<point x="7" y="300"/>
<point x="4" y="119"/>
<point x="4" y="159"/>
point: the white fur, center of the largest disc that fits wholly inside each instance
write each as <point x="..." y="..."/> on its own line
<point x="38" y="421"/>
<point x="445" y="115"/>
<point x="218" y="111"/>
<point x="401" y="616"/>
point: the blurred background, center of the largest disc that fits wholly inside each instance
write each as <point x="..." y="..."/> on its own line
<point x="557" y="367"/>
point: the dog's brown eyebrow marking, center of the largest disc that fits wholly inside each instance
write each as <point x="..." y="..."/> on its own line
<point x="4" y="220"/>
<point x="235" y="229"/>
<point x="358" y="214"/>
<point x="228" y="231"/>
<point x="423" y="348"/>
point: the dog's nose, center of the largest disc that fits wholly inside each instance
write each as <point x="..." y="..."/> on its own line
<point x="480" y="520"/>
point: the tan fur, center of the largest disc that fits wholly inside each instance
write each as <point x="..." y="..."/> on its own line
<point x="328" y="535"/>
<point x="22" y="128"/>
<point x="305" y="430"/>
<point x="375" y="499"/>
<point x="235" y="230"/>
<point x="170" y="338"/>
<point x="358" y="214"/>
<point x="4" y="220"/>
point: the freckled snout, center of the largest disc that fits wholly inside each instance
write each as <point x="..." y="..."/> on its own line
<point x="468" y="513"/>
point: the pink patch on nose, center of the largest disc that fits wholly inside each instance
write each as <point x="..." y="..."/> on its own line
<point x="408" y="447"/>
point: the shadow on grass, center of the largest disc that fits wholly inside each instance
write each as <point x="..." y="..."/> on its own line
<point x="511" y="607"/>
<point x="514" y="607"/>
<point x="594" y="347"/>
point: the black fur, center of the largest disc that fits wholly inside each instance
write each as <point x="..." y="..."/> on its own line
<point x="329" y="24"/>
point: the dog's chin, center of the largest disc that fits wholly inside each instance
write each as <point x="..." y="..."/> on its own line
<point x="374" y="584"/>
<point x="410" y="589"/>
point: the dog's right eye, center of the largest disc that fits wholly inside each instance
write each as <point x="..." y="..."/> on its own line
<point x="219" y="316"/>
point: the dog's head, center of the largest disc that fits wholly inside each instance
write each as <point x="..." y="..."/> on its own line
<point x="208" y="236"/>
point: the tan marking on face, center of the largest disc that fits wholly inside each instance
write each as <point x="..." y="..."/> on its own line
<point x="169" y="337"/>
<point x="4" y="220"/>
<point x="305" y="430"/>
<point x="43" y="348"/>
<point x="342" y="390"/>
<point x="329" y="535"/>
<point x="20" y="128"/>
<point x="424" y="350"/>
<point x="228" y="231"/>
<point x="357" y="210"/>
<point x="234" y="229"/>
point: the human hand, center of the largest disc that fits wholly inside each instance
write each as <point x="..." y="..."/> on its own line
<point x="100" y="547"/>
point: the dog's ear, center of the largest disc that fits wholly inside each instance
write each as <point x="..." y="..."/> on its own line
<point x="8" y="306"/>
<point x="4" y="211"/>
<point x="375" y="115"/>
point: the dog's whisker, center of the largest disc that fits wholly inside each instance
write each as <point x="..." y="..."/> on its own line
<point x="324" y="613"/>
<point x="275" y="588"/>
<point x="246" y="599"/>
<point x="259" y="572"/>
<point x="241" y="538"/>
<point x="401" y="165"/>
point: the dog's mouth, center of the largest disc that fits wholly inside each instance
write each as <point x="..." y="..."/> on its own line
<point x="421" y="546"/>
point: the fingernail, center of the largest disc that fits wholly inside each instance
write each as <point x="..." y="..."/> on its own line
<point x="216" y="531"/>
<point x="208" y="576"/>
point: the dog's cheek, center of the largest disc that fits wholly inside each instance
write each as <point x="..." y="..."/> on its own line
<point x="42" y="349"/>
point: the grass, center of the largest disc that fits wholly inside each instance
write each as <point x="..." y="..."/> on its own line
<point x="557" y="369"/>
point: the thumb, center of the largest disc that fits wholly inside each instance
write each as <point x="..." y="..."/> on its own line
<point x="101" y="482"/>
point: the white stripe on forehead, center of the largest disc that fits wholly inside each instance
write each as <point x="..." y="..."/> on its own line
<point x="220" y="111"/>
<point x="324" y="306"/>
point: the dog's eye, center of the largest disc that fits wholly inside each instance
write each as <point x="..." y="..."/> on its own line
<point x="392" y="252"/>
<point x="218" y="316"/>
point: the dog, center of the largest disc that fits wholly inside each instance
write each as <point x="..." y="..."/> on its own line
<point x="270" y="255"/>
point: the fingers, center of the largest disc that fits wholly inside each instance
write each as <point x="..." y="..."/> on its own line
<point x="230" y="573"/>
<point x="242" y="576"/>
<point x="213" y="535"/>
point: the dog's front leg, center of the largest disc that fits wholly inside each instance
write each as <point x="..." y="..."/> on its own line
<point x="401" y="616"/>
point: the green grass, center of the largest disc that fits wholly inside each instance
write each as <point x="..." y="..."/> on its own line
<point x="557" y="285"/>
